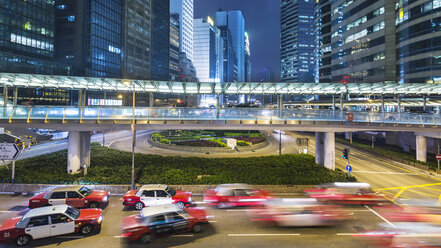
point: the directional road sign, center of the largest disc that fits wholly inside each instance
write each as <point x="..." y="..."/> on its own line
<point x="348" y="168"/>
<point x="9" y="151"/>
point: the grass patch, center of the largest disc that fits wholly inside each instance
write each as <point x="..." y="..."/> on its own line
<point x="110" y="166"/>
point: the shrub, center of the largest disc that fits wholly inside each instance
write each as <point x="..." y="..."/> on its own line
<point x="243" y="143"/>
<point x="219" y="142"/>
<point x="252" y="140"/>
<point x="110" y="166"/>
<point x="164" y="141"/>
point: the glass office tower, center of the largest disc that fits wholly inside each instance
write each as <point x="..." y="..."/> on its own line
<point x="297" y="41"/>
<point x="27" y="30"/>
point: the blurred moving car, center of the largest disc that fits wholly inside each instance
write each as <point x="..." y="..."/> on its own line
<point x="278" y="131"/>
<point x="347" y="193"/>
<point x="235" y="195"/>
<point x="50" y="221"/>
<point x="405" y="235"/>
<point x="162" y="220"/>
<point x="427" y="213"/>
<point x="75" y="196"/>
<point x="299" y="212"/>
<point x="156" y="194"/>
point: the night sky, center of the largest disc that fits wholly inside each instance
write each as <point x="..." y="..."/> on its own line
<point x="262" y="22"/>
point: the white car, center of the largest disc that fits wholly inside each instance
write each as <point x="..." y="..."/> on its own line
<point x="156" y="194"/>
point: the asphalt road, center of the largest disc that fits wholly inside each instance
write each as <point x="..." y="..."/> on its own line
<point x="227" y="228"/>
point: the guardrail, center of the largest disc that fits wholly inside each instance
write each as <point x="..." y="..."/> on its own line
<point x="98" y="114"/>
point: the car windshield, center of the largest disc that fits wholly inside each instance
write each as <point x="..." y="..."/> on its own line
<point x="85" y="191"/>
<point x="170" y="191"/>
<point x="72" y="212"/>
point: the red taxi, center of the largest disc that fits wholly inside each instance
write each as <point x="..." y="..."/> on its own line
<point x="156" y="194"/>
<point x="347" y="193"/>
<point x="235" y="195"/>
<point x="75" y="196"/>
<point x="50" y="221"/>
<point x="162" y="220"/>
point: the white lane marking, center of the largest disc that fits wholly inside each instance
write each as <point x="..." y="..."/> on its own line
<point x="212" y="221"/>
<point x="69" y="237"/>
<point x="385" y="172"/>
<point x="183" y="235"/>
<point x="199" y="202"/>
<point x="8" y="211"/>
<point x="346" y="234"/>
<point x="262" y="234"/>
<point x="381" y="217"/>
<point x="117" y="237"/>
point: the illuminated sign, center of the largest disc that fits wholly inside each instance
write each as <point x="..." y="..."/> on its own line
<point x="104" y="102"/>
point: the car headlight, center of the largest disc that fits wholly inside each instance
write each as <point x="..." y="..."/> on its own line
<point x="189" y="199"/>
<point x="100" y="219"/>
<point x="129" y="199"/>
<point x="106" y="199"/>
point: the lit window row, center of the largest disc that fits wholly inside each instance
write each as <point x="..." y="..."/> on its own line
<point x="31" y="42"/>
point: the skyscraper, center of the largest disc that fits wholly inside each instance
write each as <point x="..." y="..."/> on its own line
<point x="89" y="36"/>
<point x="137" y="36"/>
<point x="323" y="41"/>
<point x="297" y="40"/>
<point x="160" y="40"/>
<point x="184" y="8"/>
<point x="230" y="59"/>
<point x="247" y="59"/>
<point x="266" y="75"/>
<point x="27" y="30"/>
<point x="236" y="24"/>
<point x="208" y="51"/>
<point x="363" y="41"/>
<point x="418" y="41"/>
<point x="174" y="48"/>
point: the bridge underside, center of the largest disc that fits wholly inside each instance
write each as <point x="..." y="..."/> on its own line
<point x="287" y="125"/>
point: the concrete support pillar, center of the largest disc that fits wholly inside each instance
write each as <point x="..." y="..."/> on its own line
<point x="78" y="151"/>
<point x="382" y="104"/>
<point x="424" y="103"/>
<point x="217" y="105"/>
<point x="280" y="104"/>
<point x="80" y="97"/>
<point x="151" y="99"/>
<point x="74" y="153"/>
<point x="15" y="96"/>
<point x="341" y="101"/>
<point x="105" y="95"/>
<point x="84" y="98"/>
<point x="399" y="103"/>
<point x="329" y="151"/>
<point x="5" y="96"/>
<point x="421" y="148"/>
<point x="333" y="102"/>
<point x="85" y="149"/>
<point x="347" y="136"/>
<point x="319" y="148"/>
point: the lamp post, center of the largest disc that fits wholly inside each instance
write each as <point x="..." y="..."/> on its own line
<point x="128" y="83"/>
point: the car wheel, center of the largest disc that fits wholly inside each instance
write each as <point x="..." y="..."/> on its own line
<point x="146" y="238"/>
<point x="197" y="228"/>
<point x="180" y="205"/>
<point x="139" y="205"/>
<point x="23" y="240"/>
<point x="94" y="205"/>
<point x="86" y="230"/>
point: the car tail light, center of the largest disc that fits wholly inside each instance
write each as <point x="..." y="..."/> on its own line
<point x="126" y="234"/>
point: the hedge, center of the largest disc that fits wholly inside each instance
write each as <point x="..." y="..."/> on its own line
<point x="110" y="166"/>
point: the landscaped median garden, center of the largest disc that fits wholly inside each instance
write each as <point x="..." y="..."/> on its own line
<point x="110" y="166"/>
<point x="208" y="138"/>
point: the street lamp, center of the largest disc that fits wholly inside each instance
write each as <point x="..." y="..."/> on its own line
<point x="132" y="86"/>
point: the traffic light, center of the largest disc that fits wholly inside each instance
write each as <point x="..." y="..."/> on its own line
<point x="345" y="153"/>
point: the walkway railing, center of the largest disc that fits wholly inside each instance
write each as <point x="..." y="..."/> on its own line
<point x="67" y="113"/>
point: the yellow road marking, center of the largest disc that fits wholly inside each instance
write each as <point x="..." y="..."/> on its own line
<point x="436" y="196"/>
<point x="433" y="189"/>
<point x="412" y="186"/>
